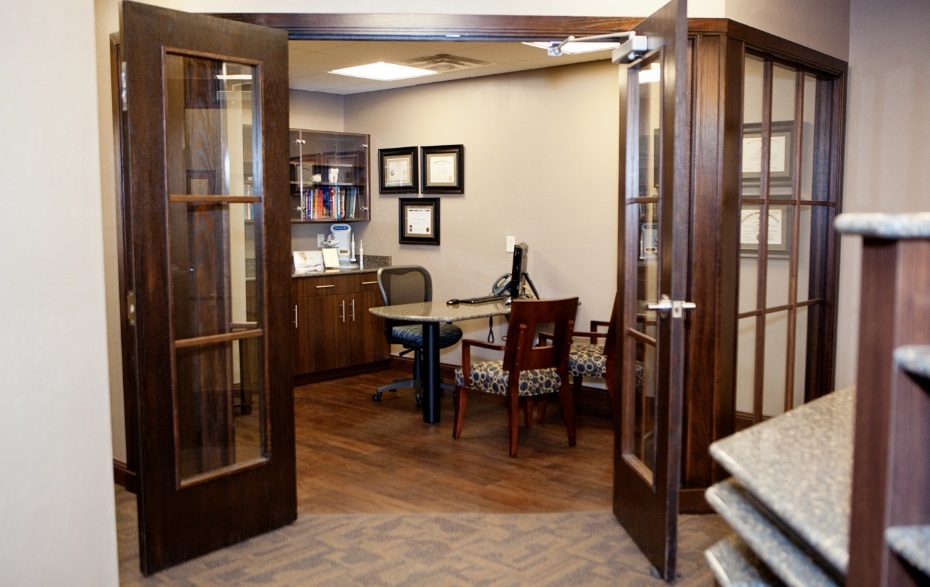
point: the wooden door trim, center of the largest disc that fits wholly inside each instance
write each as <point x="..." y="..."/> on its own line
<point x="433" y="27"/>
<point x="172" y="519"/>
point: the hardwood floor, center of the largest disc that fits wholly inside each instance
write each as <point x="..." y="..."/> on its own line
<point x="358" y="456"/>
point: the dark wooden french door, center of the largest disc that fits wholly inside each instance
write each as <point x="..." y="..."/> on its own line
<point x="652" y="274"/>
<point x="204" y="126"/>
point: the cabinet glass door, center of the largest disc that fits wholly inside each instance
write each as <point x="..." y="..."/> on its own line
<point x="329" y="176"/>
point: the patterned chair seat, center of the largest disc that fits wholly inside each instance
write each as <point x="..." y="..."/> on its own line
<point x="490" y="377"/>
<point x="587" y="360"/>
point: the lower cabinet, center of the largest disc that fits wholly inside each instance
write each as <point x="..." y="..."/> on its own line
<point x="335" y="330"/>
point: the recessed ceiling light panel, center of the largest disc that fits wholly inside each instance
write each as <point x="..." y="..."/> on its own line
<point x="383" y="71"/>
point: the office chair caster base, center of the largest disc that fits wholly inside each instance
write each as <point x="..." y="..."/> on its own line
<point x="377" y="395"/>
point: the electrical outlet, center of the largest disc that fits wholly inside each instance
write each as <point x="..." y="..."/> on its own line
<point x="319" y="240"/>
<point x="511" y="243"/>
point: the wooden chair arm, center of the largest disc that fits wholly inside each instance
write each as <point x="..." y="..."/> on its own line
<point x="467" y="343"/>
<point x="591" y="336"/>
<point x="546" y="337"/>
<point x="481" y="344"/>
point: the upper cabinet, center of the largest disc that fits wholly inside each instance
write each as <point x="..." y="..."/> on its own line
<point x="329" y="176"/>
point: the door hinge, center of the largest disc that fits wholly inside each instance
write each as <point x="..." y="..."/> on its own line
<point x="122" y="85"/>
<point x="131" y="307"/>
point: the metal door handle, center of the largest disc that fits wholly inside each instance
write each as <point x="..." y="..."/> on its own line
<point x="342" y="305"/>
<point x="353" y="309"/>
<point x="295" y="315"/>
<point x="677" y="307"/>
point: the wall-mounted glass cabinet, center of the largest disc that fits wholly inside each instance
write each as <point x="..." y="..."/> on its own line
<point x="329" y="176"/>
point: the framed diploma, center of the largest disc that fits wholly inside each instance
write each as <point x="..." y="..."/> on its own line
<point x="781" y="147"/>
<point x="778" y="230"/>
<point x="443" y="169"/>
<point x="419" y="221"/>
<point x="398" y="170"/>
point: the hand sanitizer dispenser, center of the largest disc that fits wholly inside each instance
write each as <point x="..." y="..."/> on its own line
<point x="342" y="232"/>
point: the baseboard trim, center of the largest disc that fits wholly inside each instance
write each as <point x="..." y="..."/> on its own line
<point x="446" y="371"/>
<point x="744" y="420"/>
<point x="305" y="378"/>
<point x="691" y="501"/>
<point x="124" y="477"/>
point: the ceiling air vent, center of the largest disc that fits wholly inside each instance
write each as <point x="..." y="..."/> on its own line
<point x="444" y="63"/>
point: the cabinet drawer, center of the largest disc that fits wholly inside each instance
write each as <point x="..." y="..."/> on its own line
<point x="368" y="282"/>
<point x="324" y="285"/>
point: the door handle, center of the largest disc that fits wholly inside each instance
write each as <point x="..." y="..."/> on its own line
<point x="342" y="306"/>
<point x="353" y="309"/>
<point x="295" y="316"/>
<point x="666" y="304"/>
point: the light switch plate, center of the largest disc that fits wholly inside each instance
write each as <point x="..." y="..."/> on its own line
<point x="511" y="243"/>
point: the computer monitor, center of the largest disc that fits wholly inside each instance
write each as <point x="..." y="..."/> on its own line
<point x="518" y="270"/>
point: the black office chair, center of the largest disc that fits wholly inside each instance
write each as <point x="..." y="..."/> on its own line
<point x="408" y="284"/>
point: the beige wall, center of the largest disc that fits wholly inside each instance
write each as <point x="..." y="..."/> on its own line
<point x="822" y="25"/>
<point x="540" y="164"/>
<point x="887" y="137"/>
<point x="57" y="522"/>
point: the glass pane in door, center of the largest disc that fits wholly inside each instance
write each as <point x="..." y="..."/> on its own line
<point x="214" y="216"/>
<point x="641" y="339"/>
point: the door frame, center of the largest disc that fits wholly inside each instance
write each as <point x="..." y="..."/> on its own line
<point x="412" y="27"/>
<point x="718" y="135"/>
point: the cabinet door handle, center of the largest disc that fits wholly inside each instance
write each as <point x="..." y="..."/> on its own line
<point x="353" y="309"/>
<point x="326" y="286"/>
<point x="342" y="305"/>
<point x="369" y="282"/>
<point x="295" y="315"/>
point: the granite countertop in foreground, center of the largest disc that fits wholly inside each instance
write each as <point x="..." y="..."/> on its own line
<point x="800" y="466"/>
<point x="884" y="225"/>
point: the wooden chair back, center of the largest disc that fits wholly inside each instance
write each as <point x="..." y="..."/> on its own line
<point x="523" y="352"/>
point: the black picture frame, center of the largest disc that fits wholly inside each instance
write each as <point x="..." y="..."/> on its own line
<point x="781" y="154"/>
<point x="398" y="172"/>
<point x="418" y="221"/>
<point x="779" y="230"/>
<point x="443" y="169"/>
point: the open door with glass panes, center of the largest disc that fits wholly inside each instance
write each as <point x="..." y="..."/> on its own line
<point x="652" y="284"/>
<point x="203" y="156"/>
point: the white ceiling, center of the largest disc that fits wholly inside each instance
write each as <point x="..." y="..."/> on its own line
<point x="311" y="60"/>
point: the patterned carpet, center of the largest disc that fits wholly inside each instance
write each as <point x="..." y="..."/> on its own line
<point x="569" y="549"/>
